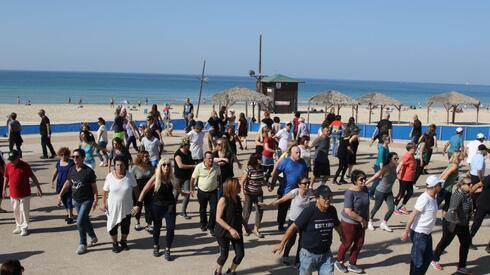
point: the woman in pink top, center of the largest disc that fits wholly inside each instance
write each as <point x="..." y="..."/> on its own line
<point x="406" y="177"/>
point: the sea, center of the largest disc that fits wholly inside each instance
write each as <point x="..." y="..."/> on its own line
<point x="99" y="88"/>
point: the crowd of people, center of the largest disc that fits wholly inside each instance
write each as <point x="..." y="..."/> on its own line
<point x="287" y="157"/>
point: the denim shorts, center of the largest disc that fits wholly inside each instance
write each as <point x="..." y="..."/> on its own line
<point x="267" y="161"/>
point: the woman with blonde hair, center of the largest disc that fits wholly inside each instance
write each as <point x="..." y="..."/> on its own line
<point x="163" y="205"/>
<point x="450" y="176"/>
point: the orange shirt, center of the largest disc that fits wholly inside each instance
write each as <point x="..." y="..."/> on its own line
<point x="409" y="165"/>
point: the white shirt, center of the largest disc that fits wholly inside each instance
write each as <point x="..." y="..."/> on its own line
<point x="477" y="164"/>
<point x="303" y="130"/>
<point x="305" y="154"/>
<point x="152" y="147"/>
<point x="424" y="222"/>
<point x="197" y="142"/>
<point x="120" y="201"/>
<point x="472" y="149"/>
<point x="298" y="203"/>
<point x="102" y="134"/>
<point x="284" y="138"/>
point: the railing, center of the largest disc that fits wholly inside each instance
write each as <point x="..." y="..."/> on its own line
<point x="400" y="132"/>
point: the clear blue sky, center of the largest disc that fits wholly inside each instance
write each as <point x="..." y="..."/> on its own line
<point x="427" y="41"/>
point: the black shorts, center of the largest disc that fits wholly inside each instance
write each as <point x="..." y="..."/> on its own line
<point x="321" y="168"/>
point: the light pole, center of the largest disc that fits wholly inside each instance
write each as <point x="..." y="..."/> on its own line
<point x="203" y="80"/>
<point x="258" y="79"/>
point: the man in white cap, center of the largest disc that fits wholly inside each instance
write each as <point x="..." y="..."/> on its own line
<point x="283" y="137"/>
<point x="455" y="143"/>
<point x="477" y="167"/>
<point x="472" y="147"/>
<point x="420" y="225"/>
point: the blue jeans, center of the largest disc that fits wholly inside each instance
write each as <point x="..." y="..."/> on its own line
<point x="421" y="254"/>
<point x="310" y="262"/>
<point x="83" y="221"/>
<point x="334" y="140"/>
<point x="372" y="190"/>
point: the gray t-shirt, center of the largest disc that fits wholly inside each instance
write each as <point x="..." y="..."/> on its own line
<point x="141" y="175"/>
<point x="358" y="202"/>
<point x="387" y="181"/>
<point x="298" y="203"/>
<point x="152" y="147"/>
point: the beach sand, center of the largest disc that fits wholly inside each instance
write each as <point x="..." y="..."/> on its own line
<point x="63" y="113"/>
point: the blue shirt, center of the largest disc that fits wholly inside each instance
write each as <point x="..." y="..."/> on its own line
<point x="477" y="163"/>
<point x="382" y="155"/>
<point x="293" y="171"/>
<point x="455" y="143"/>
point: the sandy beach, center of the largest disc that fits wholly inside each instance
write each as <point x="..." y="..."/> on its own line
<point x="63" y="113"/>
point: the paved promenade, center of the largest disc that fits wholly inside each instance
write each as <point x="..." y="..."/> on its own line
<point x="50" y="247"/>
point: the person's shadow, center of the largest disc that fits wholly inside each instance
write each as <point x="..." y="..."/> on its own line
<point x="19" y="255"/>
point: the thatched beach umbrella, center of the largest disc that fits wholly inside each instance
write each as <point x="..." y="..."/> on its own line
<point x="230" y="96"/>
<point x="329" y="99"/>
<point x="378" y="99"/>
<point x="451" y="100"/>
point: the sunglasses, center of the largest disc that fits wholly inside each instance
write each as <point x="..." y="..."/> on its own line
<point x="396" y="158"/>
<point x="218" y="144"/>
<point x="362" y="179"/>
<point x="165" y="164"/>
<point x="76" y="156"/>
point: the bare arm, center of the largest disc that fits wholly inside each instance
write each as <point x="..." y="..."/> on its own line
<point x="377" y="175"/>
<point x="289" y="233"/>
<point x="53" y="177"/>
<point x="96" y="194"/>
<point x="181" y="165"/>
<point x="36" y="182"/>
<point x="414" y="214"/>
<point x="148" y="186"/>
<point x="219" y="213"/>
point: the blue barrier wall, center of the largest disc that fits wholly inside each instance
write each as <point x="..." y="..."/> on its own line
<point x="400" y="132"/>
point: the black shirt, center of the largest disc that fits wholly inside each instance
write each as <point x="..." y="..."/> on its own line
<point x="316" y="228"/>
<point x="82" y="183"/>
<point x="268" y="121"/>
<point x="164" y="196"/>
<point x="232" y="215"/>
<point x="417" y="128"/>
<point x="186" y="159"/>
<point x="330" y="118"/>
<point x="189" y="125"/>
<point x="43" y="126"/>
<point x="214" y="122"/>
<point x="483" y="200"/>
<point x="383" y="126"/>
<point x="227" y="168"/>
<point x="118" y="124"/>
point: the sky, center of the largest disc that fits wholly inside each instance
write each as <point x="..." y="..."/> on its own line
<point x="413" y="41"/>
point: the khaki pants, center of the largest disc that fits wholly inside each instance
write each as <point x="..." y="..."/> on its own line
<point x="21" y="211"/>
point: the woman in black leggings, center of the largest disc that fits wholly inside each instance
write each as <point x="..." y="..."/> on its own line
<point x="482" y="208"/>
<point x="345" y="156"/>
<point x="163" y="205"/>
<point x="456" y="223"/>
<point x="229" y="222"/>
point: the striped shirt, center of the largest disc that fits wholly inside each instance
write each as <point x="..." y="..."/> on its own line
<point x="256" y="178"/>
<point x="460" y="208"/>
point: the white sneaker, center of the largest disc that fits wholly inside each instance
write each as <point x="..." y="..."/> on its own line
<point x="385" y="227"/>
<point x="24" y="232"/>
<point x="93" y="242"/>
<point x="371" y="226"/>
<point x="17" y="230"/>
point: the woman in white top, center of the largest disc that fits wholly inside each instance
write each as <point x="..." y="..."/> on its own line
<point x="305" y="149"/>
<point x="119" y="185"/>
<point x="102" y="143"/>
<point x="300" y="199"/>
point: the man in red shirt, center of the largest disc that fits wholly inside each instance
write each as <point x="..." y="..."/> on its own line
<point x="17" y="174"/>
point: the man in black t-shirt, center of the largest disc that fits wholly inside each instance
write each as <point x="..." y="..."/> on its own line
<point x="416" y="132"/>
<point x="315" y="224"/>
<point x="45" y="131"/>
<point x="82" y="182"/>
<point x="384" y="127"/>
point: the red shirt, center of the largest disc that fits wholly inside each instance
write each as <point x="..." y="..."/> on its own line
<point x="272" y="147"/>
<point x="18" y="179"/>
<point x="409" y="165"/>
<point x="295" y="125"/>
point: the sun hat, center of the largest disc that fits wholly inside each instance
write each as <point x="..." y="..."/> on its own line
<point x="433" y="181"/>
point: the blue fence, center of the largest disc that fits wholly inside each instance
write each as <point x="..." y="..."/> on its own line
<point x="400" y="132"/>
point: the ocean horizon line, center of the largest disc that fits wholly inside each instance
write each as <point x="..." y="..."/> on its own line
<point x="242" y="76"/>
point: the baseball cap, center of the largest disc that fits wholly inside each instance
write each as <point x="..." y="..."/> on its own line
<point x="289" y="122"/>
<point x="459" y="130"/>
<point x="480" y="136"/>
<point x="14" y="154"/>
<point x="323" y="191"/>
<point x="433" y="181"/>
